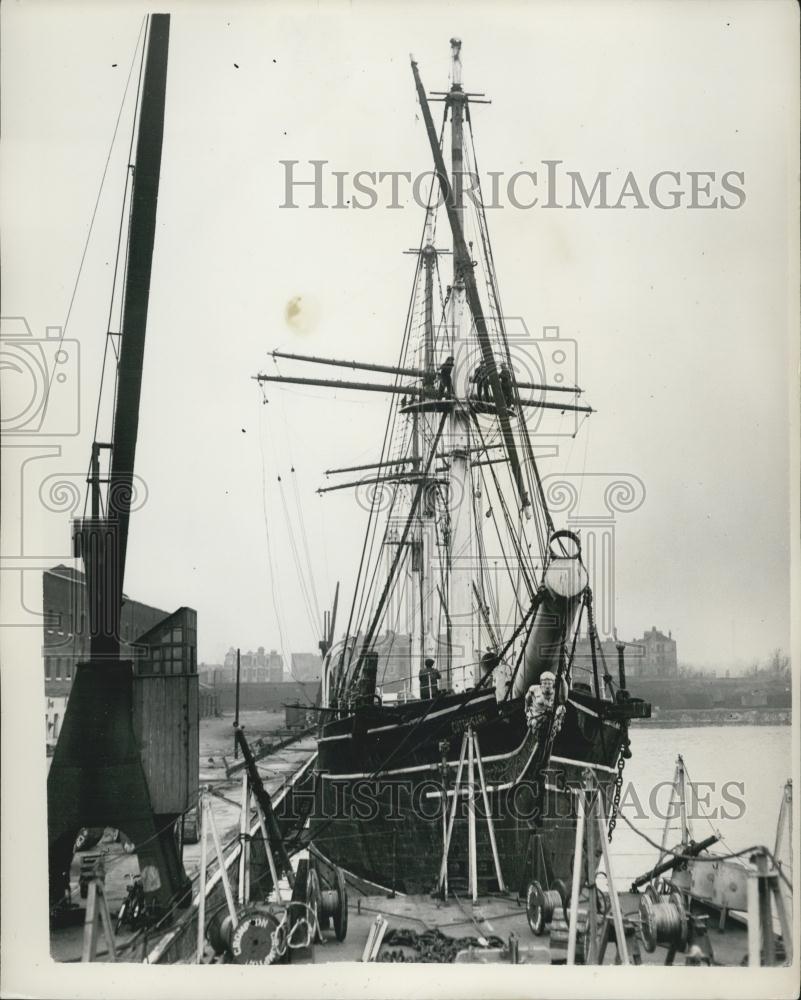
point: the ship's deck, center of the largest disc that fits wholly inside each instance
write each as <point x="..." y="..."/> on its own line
<point x="495" y="918"/>
<point x="491" y="917"/>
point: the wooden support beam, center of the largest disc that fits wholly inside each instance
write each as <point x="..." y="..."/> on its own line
<point x="401" y="390"/>
<point x="360" y="365"/>
<point x="201" y="898"/>
<point x="374" y="465"/>
<point x="614" y="900"/>
<point x="550" y="388"/>
<point x="402" y="478"/>
<point x="542" y="405"/>
<point x="578" y="867"/>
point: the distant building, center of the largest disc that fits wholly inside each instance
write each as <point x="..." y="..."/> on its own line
<point x="653" y="655"/>
<point x="754" y="698"/>
<point x="212" y="673"/>
<point x="256" y="667"/>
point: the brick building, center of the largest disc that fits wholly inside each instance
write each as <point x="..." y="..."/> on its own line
<point x="257" y="667"/>
<point x="65" y="628"/>
<point x="652" y="655"/>
<point x="157" y="641"/>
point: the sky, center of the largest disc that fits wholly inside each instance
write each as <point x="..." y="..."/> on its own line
<point x="684" y="322"/>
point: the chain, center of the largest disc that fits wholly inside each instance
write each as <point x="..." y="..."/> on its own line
<point x="621" y="763"/>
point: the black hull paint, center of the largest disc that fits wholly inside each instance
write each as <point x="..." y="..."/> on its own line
<point x="378" y="788"/>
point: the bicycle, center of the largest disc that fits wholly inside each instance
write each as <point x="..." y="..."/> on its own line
<point x="133" y="911"/>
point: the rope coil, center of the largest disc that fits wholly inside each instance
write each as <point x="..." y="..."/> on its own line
<point x="663" y="921"/>
<point x="542" y="903"/>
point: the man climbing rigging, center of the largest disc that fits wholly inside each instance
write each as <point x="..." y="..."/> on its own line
<point x="446" y="378"/>
<point x="507" y="387"/>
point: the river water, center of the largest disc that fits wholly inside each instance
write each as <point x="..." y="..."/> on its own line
<point x="738" y="773"/>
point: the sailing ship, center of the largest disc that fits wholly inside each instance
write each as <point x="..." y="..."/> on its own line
<point x="407" y="759"/>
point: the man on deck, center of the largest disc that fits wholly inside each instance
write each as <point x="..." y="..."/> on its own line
<point x="489" y="660"/>
<point x="429" y="680"/>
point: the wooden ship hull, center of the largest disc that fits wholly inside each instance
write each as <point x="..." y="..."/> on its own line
<point x="384" y="821"/>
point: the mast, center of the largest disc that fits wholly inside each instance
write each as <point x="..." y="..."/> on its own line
<point x="428" y="642"/>
<point x="465" y="271"/>
<point x="460" y="493"/>
<point x="456" y="99"/>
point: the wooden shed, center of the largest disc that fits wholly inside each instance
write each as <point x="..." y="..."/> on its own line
<point x="165" y="711"/>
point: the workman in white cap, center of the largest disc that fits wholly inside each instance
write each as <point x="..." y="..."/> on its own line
<point x="540" y="698"/>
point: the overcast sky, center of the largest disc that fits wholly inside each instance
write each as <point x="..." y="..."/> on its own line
<point x="683" y="319"/>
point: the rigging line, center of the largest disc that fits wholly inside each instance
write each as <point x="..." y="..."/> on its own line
<point x="378" y="563"/>
<point x="389" y="428"/>
<point x="305" y="541"/>
<point x="576" y="633"/>
<point x="372" y="515"/>
<point x="494" y="598"/>
<point x="309" y="582"/>
<point x="487" y="243"/>
<point x="296" y="559"/>
<point x="406" y="528"/>
<point x="504" y="558"/>
<point x="364" y="603"/>
<point x="388" y="435"/>
<point x="754" y="848"/>
<point x="706" y="817"/>
<point x="519" y="552"/>
<point x="365" y="607"/>
<point x="275" y="596"/>
<point x="524" y="430"/>
<point x="102" y="182"/>
<point x="484" y="590"/>
<point x="388" y="655"/>
<point x="119" y="234"/>
<point x="314" y="621"/>
<point x="127" y="254"/>
<point x="504" y="509"/>
<point x="583" y="468"/>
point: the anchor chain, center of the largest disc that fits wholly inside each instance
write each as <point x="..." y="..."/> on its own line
<point x="623" y="756"/>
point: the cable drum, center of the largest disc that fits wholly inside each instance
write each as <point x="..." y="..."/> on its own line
<point x="541" y="904"/>
<point x="319" y="906"/>
<point x="255" y="940"/>
<point x="663" y="922"/>
<point x="334" y="906"/>
<point x="256" y="937"/>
